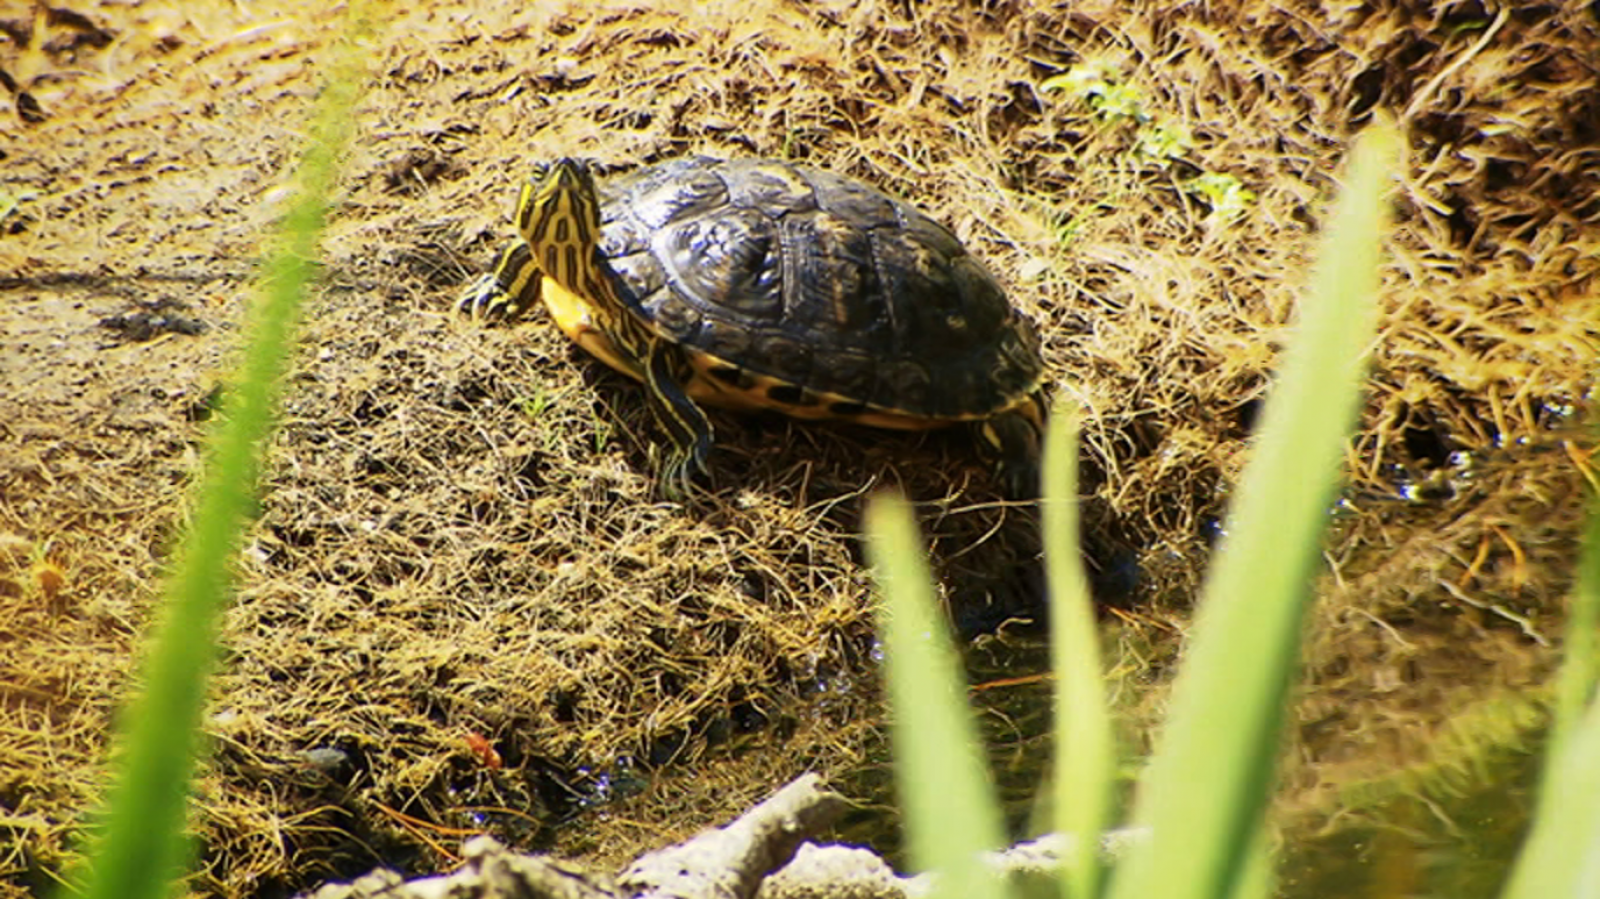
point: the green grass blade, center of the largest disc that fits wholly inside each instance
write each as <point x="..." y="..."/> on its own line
<point x="948" y="800"/>
<point x="1257" y="875"/>
<point x="1562" y="853"/>
<point x="141" y="847"/>
<point x="1575" y="684"/>
<point x="1085" y="749"/>
<point x="1204" y="790"/>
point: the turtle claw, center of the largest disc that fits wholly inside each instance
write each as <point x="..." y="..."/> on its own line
<point x="504" y="293"/>
<point x="682" y="469"/>
<point x="483" y="300"/>
<point x="665" y="371"/>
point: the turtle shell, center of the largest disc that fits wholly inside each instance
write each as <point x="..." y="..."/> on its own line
<point x="792" y="287"/>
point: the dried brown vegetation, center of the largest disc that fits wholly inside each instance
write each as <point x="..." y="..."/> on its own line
<point x="457" y="534"/>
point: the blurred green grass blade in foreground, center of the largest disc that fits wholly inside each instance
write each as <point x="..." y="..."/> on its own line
<point x="1204" y="790"/>
<point x="1580" y="665"/>
<point x="951" y="815"/>
<point x="1085" y="749"/>
<point x="1561" y="857"/>
<point x="140" y="849"/>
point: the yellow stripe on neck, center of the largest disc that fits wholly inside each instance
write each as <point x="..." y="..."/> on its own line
<point x="575" y="317"/>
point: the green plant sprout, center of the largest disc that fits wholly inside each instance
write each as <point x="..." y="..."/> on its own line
<point x="1226" y="196"/>
<point x="1098" y="84"/>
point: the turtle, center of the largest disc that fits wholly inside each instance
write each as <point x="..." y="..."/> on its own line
<point x="761" y="284"/>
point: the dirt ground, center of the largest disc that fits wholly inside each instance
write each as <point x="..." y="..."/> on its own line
<point x="462" y="607"/>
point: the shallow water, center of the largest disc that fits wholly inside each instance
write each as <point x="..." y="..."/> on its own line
<point x="1456" y="842"/>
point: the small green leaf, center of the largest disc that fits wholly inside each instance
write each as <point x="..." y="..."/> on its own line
<point x="1227" y="197"/>
<point x="1082" y="81"/>
<point x="1164" y="142"/>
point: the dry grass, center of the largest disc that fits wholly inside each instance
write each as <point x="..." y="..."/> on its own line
<point x="458" y="534"/>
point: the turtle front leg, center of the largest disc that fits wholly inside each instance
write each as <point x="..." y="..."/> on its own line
<point x="506" y="292"/>
<point x="1013" y="439"/>
<point x="666" y="370"/>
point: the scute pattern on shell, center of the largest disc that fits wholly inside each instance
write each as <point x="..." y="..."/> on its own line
<point x="819" y="281"/>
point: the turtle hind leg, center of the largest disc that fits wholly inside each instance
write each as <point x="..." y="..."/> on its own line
<point x="506" y="292"/>
<point x="666" y="370"/>
<point x="1013" y="440"/>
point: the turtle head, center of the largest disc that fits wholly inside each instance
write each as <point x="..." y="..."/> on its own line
<point x="558" y="217"/>
<point x="558" y="214"/>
